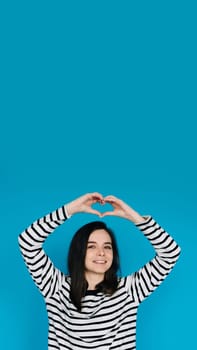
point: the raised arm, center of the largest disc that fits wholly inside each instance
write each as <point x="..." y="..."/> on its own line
<point x="143" y="282"/>
<point x="45" y="275"/>
<point x="42" y="270"/>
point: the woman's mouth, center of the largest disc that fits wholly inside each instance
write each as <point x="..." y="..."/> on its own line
<point x="99" y="261"/>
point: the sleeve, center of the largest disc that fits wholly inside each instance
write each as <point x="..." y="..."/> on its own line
<point x="143" y="282"/>
<point x="46" y="277"/>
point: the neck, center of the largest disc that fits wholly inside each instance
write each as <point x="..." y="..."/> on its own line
<point x="93" y="280"/>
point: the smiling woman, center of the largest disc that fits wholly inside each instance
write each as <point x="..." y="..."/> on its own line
<point x="93" y="261"/>
<point x="92" y="308"/>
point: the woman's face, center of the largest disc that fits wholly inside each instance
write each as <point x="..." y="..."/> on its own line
<point x="99" y="253"/>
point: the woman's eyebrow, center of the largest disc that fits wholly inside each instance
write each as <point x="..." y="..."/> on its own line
<point x="96" y="242"/>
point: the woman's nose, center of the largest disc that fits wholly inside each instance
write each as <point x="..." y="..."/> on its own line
<point x="101" y="252"/>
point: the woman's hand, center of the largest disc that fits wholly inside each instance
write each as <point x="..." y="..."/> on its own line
<point x="122" y="210"/>
<point x="84" y="204"/>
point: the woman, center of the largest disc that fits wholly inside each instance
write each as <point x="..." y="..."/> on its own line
<point x="93" y="308"/>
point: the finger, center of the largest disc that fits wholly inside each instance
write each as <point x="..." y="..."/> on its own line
<point x="96" y="212"/>
<point x="111" y="201"/>
<point x="108" y="213"/>
<point x="97" y="196"/>
<point x="110" y="198"/>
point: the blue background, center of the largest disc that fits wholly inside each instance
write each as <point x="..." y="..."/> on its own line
<point x="99" y="96"/>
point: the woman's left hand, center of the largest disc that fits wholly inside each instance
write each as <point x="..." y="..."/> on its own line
<point x="121" y="209"/>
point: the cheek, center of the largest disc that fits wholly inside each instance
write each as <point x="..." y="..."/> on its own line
<point x="89" y="256"/>
<point x="110" y="255"/>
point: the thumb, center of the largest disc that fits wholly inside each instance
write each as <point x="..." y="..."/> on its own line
<point x="108" y="213"/>
<point x="94" y="211"/>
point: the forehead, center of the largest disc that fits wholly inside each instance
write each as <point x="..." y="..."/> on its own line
<point x="100" y="236"/>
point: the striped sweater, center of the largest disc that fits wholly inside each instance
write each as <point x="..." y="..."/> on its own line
<point x="105" y="322"/>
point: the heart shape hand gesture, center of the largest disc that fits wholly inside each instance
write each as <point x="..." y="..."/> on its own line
<point x="84" y="204"/>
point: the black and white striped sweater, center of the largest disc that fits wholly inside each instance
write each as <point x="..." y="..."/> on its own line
<point x="105" y="322"/>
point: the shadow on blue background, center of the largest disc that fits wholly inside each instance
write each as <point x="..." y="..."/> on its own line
<point x="99" y="96"/>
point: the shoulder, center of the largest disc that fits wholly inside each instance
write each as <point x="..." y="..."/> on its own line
<point x="122" y="281"/>
<point x="126" y="284"/>
<point x="65" y="281"/>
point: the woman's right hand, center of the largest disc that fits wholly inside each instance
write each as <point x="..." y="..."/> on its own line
<point x="84" y="204"/>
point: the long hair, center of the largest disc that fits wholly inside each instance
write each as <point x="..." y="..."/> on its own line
<point x="76" y="263"/>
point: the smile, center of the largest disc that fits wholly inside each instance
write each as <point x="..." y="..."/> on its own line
<point x="99" y="261"/>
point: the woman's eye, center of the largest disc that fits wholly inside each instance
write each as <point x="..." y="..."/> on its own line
<point x="92" y="246"/>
